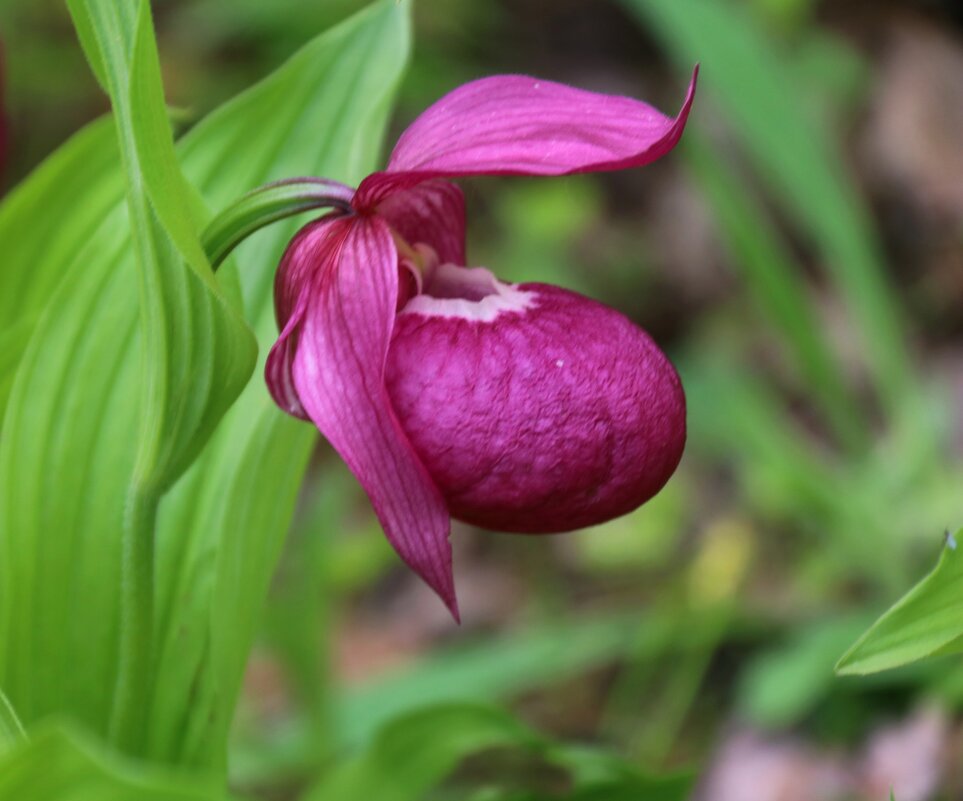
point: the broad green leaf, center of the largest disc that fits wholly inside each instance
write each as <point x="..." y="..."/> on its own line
<point x="197" y="350"/>
<point x="927" y="621"/>
<point x="323" y="113"/>
<point x="11" y="730"/>
<point x="755" y="88"/>
<point x="59" y="764"/>
<point x="71" y="429"/>
<point x="41" y="222"/>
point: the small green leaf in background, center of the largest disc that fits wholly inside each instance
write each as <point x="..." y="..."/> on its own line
<point x="927" y="621"/>
<point x="784" y="684"/>
<point x="59" y="764"/>
<point x="414" y="754"/>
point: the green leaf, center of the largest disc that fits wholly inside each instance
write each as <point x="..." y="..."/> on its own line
<point x="927" y="621"/>
<point x="11" y="730"/>
<point x="70" y="435"/>
<point x="197" y="350"/>
<point x="783" y="684"/>
<point x="59" y="764"/>
<point x="238" y="499"/>
<point x="41" y="223"/>
<point x="415" y="753"/>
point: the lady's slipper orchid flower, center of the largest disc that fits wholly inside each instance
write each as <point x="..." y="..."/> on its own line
<point x="516" y="407"/>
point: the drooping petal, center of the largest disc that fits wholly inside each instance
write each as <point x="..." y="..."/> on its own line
<point x="338" y="372"/>
<point x="518" y="125"/>
<point x="432" y="213"/>
<point x="278" y="369"/>
<point x="312" y="247"/>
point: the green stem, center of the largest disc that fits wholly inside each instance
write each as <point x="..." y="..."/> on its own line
<point x="268" y="204"/>
<point x="129" y="715"/>
<point x="128" y="724"/>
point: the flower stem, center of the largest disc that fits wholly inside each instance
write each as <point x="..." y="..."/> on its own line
<point x="128" y="724"/>
<point x="268" y="204"/>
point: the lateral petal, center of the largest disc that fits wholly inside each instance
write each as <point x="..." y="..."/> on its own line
<point x="312" y="248"/>
<point x="338" y="371"/>
<point x="518" y="125"/>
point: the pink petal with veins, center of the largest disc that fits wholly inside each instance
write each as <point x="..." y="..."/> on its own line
<point x="518" y="125"/>
<point x="349" y="269"/>
<point x="311" y="250"/>
<point x="432" y="213"/>
<point x="543" y="411"/>
<point x="280" y="364"/>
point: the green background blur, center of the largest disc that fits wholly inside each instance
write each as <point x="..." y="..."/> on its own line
<point x="801" y="259"/>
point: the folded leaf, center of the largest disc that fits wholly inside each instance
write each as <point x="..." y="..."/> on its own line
<point x="199" y="352"/>
<point x="70" y="434"/>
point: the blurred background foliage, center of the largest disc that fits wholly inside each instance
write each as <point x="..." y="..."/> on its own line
<point x="801" y="259"/>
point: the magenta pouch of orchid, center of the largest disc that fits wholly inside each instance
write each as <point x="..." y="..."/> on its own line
<point x="514" y="407"/>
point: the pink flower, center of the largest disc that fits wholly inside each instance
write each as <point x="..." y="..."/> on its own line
<point x="447" y="392"/>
